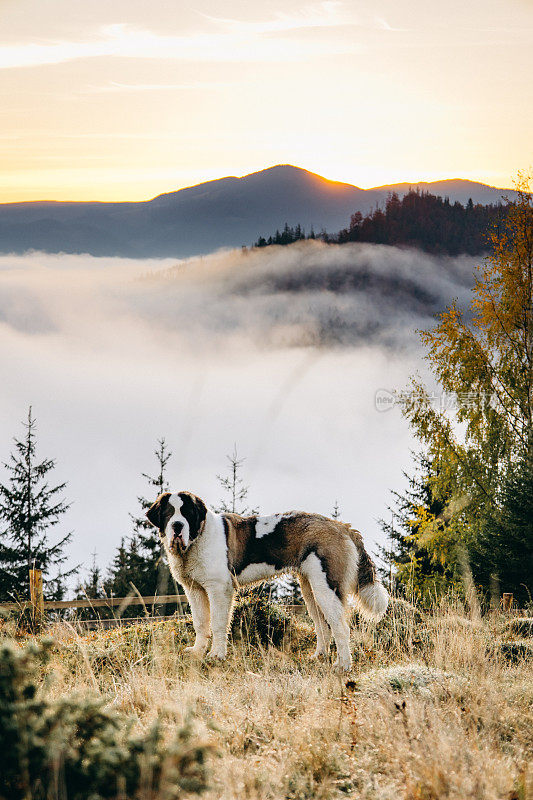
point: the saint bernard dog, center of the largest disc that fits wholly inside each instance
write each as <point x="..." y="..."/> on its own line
<point x="212" y="554"/>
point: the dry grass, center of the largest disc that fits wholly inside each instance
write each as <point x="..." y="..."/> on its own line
<point x="435" y="709"/>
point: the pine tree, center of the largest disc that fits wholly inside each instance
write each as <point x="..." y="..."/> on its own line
<point x="8" y="558"/>
<point x="236" y="492"/>
<point x="503" y="555"/>
<point x="336" y="514"/>
<point x="422" y="544"/>
<point x="153" y="574"/>
<point x="29" y="508"/>
<point x="234" y="486"/>
<point x="124" y="570"/>
<point x="139" y="561"/>
<point x="92" y="589"/>
<point x="285" y="587"/>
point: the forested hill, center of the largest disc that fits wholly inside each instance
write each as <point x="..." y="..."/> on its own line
<point x="419" y="219"/>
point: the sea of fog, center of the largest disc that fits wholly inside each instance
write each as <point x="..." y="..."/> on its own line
<point x="279" y="351"/>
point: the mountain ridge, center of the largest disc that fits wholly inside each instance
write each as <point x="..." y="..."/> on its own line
<point x="225" y="212"/>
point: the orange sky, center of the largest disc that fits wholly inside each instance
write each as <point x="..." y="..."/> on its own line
<point x="128" y="99"/>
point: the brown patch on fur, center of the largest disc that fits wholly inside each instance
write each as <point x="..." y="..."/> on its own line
<point x="160" y="512"/>
<point x="194" y="510"/>
<point x="239" y="530"/>
<point x="295" y="536"/>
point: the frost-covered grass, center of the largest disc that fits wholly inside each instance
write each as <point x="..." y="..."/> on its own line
<point x="436" y="707"/>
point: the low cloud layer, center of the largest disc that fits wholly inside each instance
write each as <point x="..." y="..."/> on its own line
<point x="280" y="351"/>
<point x="309" y="294"/>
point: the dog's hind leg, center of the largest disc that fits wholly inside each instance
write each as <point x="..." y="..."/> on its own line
<point x="199" y="604"/>
<point x="322" y="629"/>
<point x="332" y="608"/>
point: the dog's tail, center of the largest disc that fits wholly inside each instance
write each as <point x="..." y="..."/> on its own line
<point x="372" y="600"/>
<point x="370" y="596"/>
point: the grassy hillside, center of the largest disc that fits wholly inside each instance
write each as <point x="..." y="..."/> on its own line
<point x="439" y="705"/>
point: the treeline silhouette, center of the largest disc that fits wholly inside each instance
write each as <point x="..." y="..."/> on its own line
<point x="419" y="219"/>
<point x="287" y="236"/>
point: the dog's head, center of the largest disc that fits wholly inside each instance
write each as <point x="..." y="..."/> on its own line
<point x="180" y="518"/>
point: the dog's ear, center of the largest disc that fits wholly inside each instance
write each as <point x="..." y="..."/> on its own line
<point x="194" y="510"/>
<point x="157" y="514"/>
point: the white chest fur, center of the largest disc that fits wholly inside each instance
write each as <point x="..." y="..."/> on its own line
<point x="206" y="560"/>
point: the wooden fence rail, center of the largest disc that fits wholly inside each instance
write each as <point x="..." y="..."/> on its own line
<point x="38" y="606"/>
<point x="101" y="602"/>
<point x="110" y="602"/>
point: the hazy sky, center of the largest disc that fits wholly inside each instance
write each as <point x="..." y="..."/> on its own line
<point x="128" y="99"/>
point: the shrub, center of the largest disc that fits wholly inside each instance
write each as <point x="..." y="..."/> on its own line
<point x="263" y="622"/>
<point x="520" y="627"/>
<point x="515" y="651"/>
<point x="260" y="620"/>
<point x="73" y="747"/>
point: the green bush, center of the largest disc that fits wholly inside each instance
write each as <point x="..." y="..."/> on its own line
<point x="264" y="622"/>
<point x="260" y="620"/>
<point x="74" y="748"/>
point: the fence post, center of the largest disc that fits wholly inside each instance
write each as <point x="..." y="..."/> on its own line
<point x="507" y="601"/>
<point x="36" y="595"/>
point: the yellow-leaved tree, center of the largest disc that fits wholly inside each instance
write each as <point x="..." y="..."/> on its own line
<point x="483" y="359"/>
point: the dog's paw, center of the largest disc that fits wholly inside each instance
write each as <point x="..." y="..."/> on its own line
<point x="319" y="655"/>
<point x="213" y="655"/>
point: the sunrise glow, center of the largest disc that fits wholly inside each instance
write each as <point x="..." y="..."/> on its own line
<point x="114" y="103"/>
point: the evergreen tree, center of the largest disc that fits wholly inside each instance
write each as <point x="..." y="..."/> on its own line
<point x="153" y="573"/>
<point x="124" y="570"/>
<point x="234" y="502"/>
<point x="234" y="487"/>
<point x="422" y="557"/>
<point x="336" y="514"/>
<point x="8" y="558"/>
<point x="139" y="560"/>
<point x="285" y="587"/>
<point x="503" y="555"/>
<point x="418" y="219"/>
<point x="29" y="509"/>
<point x="92" y="589"/>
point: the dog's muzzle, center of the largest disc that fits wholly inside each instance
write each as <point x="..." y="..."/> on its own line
<point x="177" y="538"/>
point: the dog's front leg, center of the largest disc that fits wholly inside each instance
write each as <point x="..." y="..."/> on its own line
<point x="221" y="602"/>
<point x="199" y="604"/>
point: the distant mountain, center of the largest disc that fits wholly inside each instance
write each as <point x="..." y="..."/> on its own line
<point x="456" y="189"/>
<point x="223" y="213"/>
